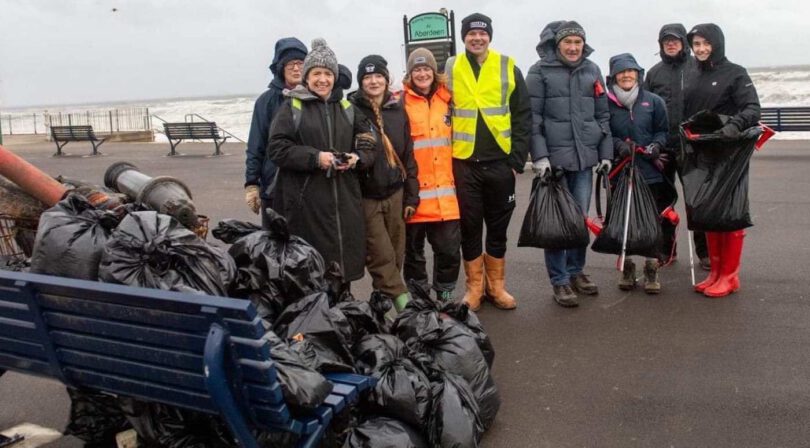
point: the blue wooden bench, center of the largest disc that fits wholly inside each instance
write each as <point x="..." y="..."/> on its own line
<point x="195" y="352"/>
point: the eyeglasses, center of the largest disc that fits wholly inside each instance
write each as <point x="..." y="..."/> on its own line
<point x="294" y="64"/>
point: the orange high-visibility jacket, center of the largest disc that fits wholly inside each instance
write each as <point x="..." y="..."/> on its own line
<point x="433" y="151"/>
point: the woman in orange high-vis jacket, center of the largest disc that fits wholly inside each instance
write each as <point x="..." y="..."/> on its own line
<point x="427" y="104"/>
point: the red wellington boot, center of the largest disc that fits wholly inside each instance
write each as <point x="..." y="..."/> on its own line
<point x="729" y="280"/>
<point x="714" y="241"/>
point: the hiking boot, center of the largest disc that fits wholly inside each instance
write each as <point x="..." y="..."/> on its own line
<point x="651" y="283"/>
<point x="583" y="285"/>
<point x="628" y="279"/>
<point x="705" y="263"/>
<point x="565" y="297"/>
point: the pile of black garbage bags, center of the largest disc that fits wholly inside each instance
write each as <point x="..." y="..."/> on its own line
<point x="432" y="363"/>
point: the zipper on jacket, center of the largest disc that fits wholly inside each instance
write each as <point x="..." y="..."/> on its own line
<point x="331" y="139"/>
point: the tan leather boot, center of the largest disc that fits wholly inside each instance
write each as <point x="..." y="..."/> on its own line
<point x="474" y="271"/>
<point x="496" y="291"/>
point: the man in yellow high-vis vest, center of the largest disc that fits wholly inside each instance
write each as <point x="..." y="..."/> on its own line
<point x="491" y="128"/>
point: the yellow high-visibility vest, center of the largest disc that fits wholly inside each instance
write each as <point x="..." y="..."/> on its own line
<point x="489" y="95"/>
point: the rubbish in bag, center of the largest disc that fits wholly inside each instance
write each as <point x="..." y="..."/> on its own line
<point x="365" y="317"/>
<point x="714" y="173"/>
<point x="461" y="313"/>
<point x="95" y="418"/>
<point x="162" y="426"/>
<point x="316" y="357"/>
<point x="382" y="432"/>
<point x="274" y="266"/>
<point x="230" y="230"/>
<point x="327" y="329"/>
<point x="644" y="229"/>
<point x="402" y="390"/>
<point x="71" y="238"/>
<point x="302" y="386"/>
<point x="453" y="348"/>
<point x="454" y="417"/>
<point x="553" y="219"/>
<point x="153" y="250"/>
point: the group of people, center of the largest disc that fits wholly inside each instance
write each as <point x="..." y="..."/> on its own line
<point x="368" y="178"/>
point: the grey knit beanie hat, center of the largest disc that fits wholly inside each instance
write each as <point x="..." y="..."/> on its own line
<point x="321" y="56"/>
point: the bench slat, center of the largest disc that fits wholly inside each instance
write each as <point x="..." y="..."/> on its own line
<point x="18" y="329"/>
<point x="138" y="314"/>
<point x="26" y="364"/>
<point x="15" y="310"/>
<point x="25" y="348"/>
<point x="141" y="389"/>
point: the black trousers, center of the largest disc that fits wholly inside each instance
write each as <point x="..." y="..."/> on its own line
<point x="665" y="195"/>
<point x="444" y="238"/>
<point x="265" y="204"/>
<point x="486" y="195"/>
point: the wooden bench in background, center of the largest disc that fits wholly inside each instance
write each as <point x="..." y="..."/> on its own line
<point x="200" y="130"/>
<point x="62" y="135"/>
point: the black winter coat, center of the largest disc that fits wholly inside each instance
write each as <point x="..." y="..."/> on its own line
<point x="324" y="208"/>
<point x="259" y="170"/>
<point x="383" y="180"/>
<point x="570" y="116"/>
<point x="721" y="86"/>
<point x="669" y="79"/>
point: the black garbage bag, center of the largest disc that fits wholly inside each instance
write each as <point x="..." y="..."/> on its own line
<point x="230" y="230"/>
<point x="382" y="432"/>
<point x="153" y="250"/>
<point x="95" y="418"/>
<point x="365" y="317"/>
<point x="162" y="426"/>
<point x="714" y="173"/>
<point x="71" y="238"/>
<point x="402" y="390"/>
<point x="303" y="387"/>
<point x="461" y="313"/>
<point x="454" y="418"/>
<point x="453" y="347"/>
<point x="274" y="267"/>
<point x="326" y="329"/>
<point x="553" y="219"/>
<point x="644" y="232"/>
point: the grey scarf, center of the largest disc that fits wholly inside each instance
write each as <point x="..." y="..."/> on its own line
<point x="626" y="97"/>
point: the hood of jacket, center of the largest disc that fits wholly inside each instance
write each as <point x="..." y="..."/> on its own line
<point x="714" y="35"/>
<point x="547" y="47"/>
<point x="676" y="30"/>
<point x="390" y="100"/>
<point x="622" y="62"/>
<point x="302" y="93"/>
<point x="284" y="47"/>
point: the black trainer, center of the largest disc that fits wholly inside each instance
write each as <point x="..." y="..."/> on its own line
<point x="565" y="297"/>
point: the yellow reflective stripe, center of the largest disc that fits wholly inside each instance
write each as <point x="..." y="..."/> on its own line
<point x="431" y="142"/>
<point x="437" y="193"/>
<point x="464" y="113"/>
<point x="463" y="136"/>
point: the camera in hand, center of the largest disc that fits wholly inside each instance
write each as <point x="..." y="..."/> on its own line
<point x="341" y="158"/>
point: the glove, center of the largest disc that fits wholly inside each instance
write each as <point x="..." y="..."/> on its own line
<point x="730" y="131"/>
<point x="252" y="198"/>
<point x="652" y="151"/>
<point x="365" y="142"/>
<point x="604" y="166"/>
<point x="408" y="212"/>
<point x="626" y="148"/>
<point x="541" y="166"/>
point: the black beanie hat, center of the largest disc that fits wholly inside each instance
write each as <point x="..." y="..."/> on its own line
<point x="372" y="63"/>
<point x="476" y="21"/>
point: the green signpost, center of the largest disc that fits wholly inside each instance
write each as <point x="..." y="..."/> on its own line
<point x="432" y="30"/>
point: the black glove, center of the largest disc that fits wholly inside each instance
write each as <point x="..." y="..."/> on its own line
<point x="652" y="151"/>
<point x="730" y="131"/>
<point x="626" y="148"/>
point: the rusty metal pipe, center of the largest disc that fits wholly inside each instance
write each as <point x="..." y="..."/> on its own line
<point x="30" y="178"/>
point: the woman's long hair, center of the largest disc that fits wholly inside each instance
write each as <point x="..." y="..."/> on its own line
<point x="390" y="153"/>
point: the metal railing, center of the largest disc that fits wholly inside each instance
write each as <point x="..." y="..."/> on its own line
<point x="787" y="119"/>
<point x="102" y="120"/>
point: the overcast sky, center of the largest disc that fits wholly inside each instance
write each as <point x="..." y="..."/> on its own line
<point x="78" y="51"/>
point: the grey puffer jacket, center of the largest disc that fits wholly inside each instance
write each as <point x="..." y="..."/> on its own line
<point x="570" y="115"/>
